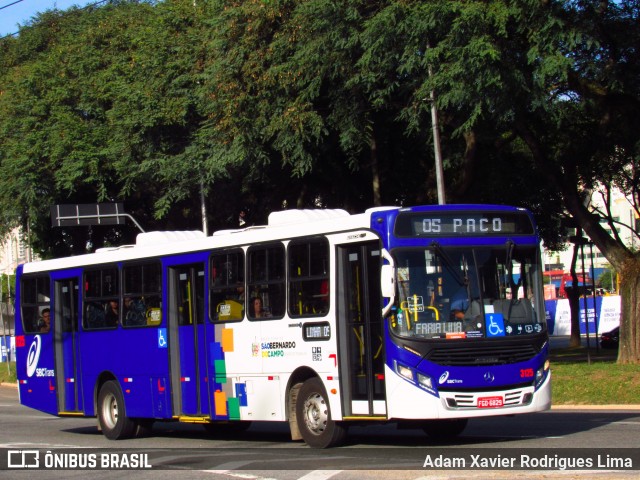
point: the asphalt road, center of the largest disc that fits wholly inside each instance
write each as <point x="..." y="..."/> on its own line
<point x="266" y="452"/>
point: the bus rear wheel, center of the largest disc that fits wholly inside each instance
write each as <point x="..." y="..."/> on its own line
<point x="114" y="423"/>
<point x="444" y="429"/>
<point x="313" y="416"/>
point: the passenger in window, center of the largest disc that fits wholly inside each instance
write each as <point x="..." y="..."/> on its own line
<point x="95" y="315"/>
<point x="239" y="292"/>
<point x="113" y="313"/>
<point x="459" y="305"/>
<point x="45" y="321"/>
<point x="256" y="309"/>
<point x="134" y="311"/>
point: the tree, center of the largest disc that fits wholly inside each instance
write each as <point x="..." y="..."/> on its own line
<point x="555" y="81"/>
<point x="289" y="91"/>
<point x="98" y="105"/>
<point x="265" y="105"/>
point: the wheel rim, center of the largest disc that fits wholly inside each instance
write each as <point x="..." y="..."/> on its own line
<point x="110" y="411"/>
<point x="316" y="414"/>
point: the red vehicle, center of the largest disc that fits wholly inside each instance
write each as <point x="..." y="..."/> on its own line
<point x="562" y="280"/>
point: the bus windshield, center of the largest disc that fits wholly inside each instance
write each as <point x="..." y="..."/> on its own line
<point x="471" y="292"/>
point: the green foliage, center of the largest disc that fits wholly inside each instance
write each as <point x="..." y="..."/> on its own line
<point x="261" y="105"/>
<point x="7" y="287"/>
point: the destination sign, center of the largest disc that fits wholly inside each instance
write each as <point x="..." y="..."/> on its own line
<point x="316" y="331"/>
<point x="412" y="224"/>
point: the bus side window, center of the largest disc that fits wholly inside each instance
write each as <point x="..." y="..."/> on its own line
<point x="266" y="279"/>
<point x="308" y="277"/>
<point x="142" y="285"/>
<point x="35" y="299"/>
<point x="134" y="311"/>
<point x="31" y="319"/>
<point x="101" y="298"/>
<point x="94" y="316"/>
<point x="227" y="290"/>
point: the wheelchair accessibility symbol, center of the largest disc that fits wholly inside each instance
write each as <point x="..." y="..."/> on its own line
<point x="494" y="324"/>
<point x="162" y="338"/>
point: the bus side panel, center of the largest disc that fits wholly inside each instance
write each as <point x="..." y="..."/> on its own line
<point x="35" y="372"/>
<point x="146" y="378"/>
<point x="34" y="364"/>
<point x="137" y="357"/>
<point x="234" y="356"/>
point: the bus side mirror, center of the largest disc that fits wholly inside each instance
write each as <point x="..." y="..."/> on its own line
<point x="387" y="281"/>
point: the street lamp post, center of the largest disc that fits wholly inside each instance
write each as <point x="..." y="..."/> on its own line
<point x="579" y="240"/>
<point x="435" y="125"/>
<point x="593" y="294"/>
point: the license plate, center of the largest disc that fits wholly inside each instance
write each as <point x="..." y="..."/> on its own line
<point x="490" y="402"/>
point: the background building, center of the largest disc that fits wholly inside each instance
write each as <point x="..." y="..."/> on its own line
<point x="625" y="221"/>
<point x="14" y="250"/>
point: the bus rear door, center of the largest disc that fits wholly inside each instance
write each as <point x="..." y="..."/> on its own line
<point x="66" y="343"/>
<point x="360" y="333"/>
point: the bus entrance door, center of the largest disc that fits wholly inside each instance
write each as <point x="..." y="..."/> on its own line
<point x="66" y="346"/>
<point x="360" y="330"/>
<point x="187" y="340"/>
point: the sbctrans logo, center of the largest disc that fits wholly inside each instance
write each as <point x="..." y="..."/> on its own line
<point x="23" y="459"/>
<point x="33" y="356"/>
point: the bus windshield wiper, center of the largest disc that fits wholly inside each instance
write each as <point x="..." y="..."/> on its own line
<point x="509" y="265"/>
<point x="462" y="280"/>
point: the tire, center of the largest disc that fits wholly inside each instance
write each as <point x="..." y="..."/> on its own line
<point x="111" y="413"/>
<point x="144" y="427"/>
<point x="445" y="429"/>
<point x="313" y="416"/>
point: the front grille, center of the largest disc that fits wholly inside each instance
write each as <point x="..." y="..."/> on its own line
<point x="463" y="400"/>
<point x="481" y="355"/>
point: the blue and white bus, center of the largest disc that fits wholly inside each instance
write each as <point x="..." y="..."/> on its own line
<point x="425" y="316"/>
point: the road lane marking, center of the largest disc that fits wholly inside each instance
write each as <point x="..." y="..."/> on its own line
<point x="320" y="475"/>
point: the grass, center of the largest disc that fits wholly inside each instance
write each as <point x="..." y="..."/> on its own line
<point x="8" y="373"/>
<point x="581" y="377"/>
<point x="575" y="381"/>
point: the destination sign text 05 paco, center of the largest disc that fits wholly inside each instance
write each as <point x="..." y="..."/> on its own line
<point x="416" y="224"/>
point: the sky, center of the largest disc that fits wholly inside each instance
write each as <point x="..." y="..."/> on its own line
<point x="23" y="10"/>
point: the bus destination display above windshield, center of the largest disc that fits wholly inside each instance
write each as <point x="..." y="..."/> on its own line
<point x="413" y="224"/>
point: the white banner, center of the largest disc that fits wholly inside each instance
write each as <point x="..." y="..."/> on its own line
<point x="607" y="315"/>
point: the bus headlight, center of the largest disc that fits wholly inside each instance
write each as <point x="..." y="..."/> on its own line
<point x="405" y="372"/>
<point x="425" y="381"/>
<point x="541" y="373"/>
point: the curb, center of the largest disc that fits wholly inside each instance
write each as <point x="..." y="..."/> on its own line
<point x="595" y="407"/>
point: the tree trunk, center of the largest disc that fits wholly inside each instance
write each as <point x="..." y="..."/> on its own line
<point x="615" y="251"/>
<point x="629" y="350"/>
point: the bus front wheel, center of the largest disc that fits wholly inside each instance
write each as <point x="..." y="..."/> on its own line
<point x="114" y="423"/>
<point x="313" y="416"/>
